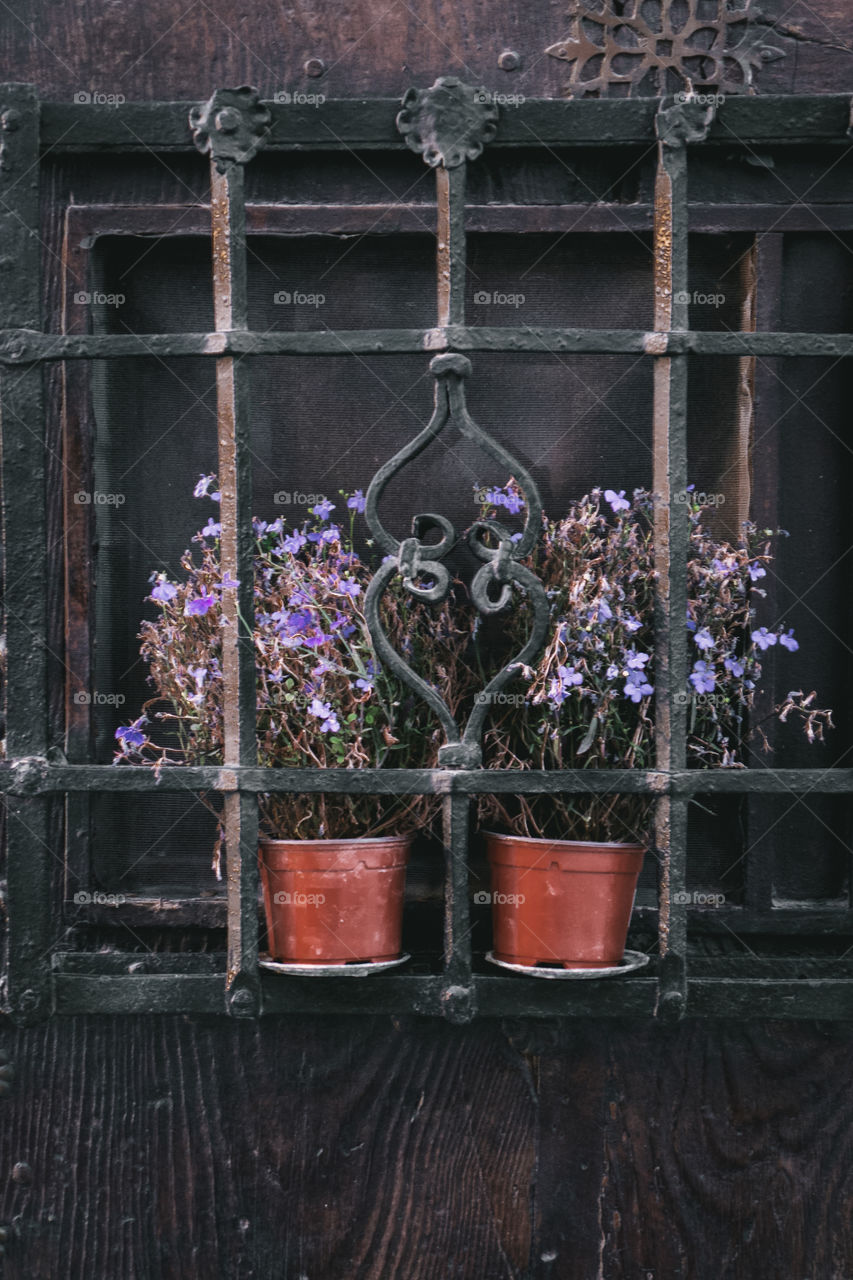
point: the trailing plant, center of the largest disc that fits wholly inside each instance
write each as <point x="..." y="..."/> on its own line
<point x="589" y="700"/>
<point x="323" y="700"/>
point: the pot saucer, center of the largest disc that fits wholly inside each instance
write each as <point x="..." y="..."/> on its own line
<point x="630" y="961"/>
<point x="358" y="970"/>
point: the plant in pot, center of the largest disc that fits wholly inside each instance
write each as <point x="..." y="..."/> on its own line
<point x="565" y="867"/>
<point x="332" y="865"/>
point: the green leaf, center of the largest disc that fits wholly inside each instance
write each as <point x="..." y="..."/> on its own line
<point x="589" y="737"/>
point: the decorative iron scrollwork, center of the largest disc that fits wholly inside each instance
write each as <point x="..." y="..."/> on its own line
<point x="653" y="47"/>
<point x="424" y="576"/>
<point x="232" y="126"/>
<point x="448" y="123"/>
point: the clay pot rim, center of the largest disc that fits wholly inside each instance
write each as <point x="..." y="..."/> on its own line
<point x="587" y="846"/>
<point x="335" y="843"/>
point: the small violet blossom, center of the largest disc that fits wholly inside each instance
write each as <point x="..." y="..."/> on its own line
<point x="323" y="509"/>
<point x="198" y="608"/>
<point x="702" y="677"/>
<point x="202" y="487"/>
<point x="764" y="638"/>
<point x="618" y="501"/>
<point x="164" y="590"/>
<point x="323" y="712"/>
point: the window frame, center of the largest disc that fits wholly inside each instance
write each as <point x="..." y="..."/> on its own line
<point x="41" y="979"/>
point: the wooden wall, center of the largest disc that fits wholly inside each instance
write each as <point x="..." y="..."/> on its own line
<point x="317" y="1149"/>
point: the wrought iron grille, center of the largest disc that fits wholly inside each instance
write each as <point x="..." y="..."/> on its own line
<point x="449" y="125"/>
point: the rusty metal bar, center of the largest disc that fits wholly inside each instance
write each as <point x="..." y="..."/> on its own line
<point x="675" y="125"/>
<point x="231" y="128"/>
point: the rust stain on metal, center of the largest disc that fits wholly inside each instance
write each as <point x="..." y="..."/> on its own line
<point x="442" y="178"/>
<point x="656" y="344"/>
<point x="663" y="248"/>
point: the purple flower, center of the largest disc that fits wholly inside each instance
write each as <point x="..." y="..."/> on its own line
<point x="198" y="608"/>
<point x="637" y="687"/>
<point x="201" y="489"/>
<point x="734" y="666"/>
<point x="300" y="597"/>
<point x="691" y="625"/>
<point x="259" y="526"/>
<point x="323" y="509"/>
<point x="764" y="638"/>
<point x="702" y="677"/>
<point x="757" y="571"/>
<point x="294" y="542"/>
<point x="636" y="661"/>
<point x="228" y="581"/>
<point x="164" y="590"/>
<point x="350" y="588"/>
<point x="365" y="685"/>
<point x="322" y="711"/>
<point x="703" y="639"/>
<point x="559" y="689"/>
<point x="630" y="623"/>
<point x="323" y="667"/>
<point x="513" y="503"/>
<point x="356" y="501"/>
<point x="332" y="534"/>
<point x="788" y="640"/>
<point x="212" y="529"/>
<point x="600" y="611"/>
<point x="131" y="735"/>
<point x="618" y="501"/>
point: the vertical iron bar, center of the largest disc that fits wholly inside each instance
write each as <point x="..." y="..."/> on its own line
<point x="451" y="248"/>
<point x="458" y="996"/>
<point x="671" y="534"/>
<point x="237" y="560"/>
<point x="29" y="879"/>
<point x="762" y="810"/>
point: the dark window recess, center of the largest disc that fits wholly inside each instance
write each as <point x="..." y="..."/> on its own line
<point x="611" y="365"/>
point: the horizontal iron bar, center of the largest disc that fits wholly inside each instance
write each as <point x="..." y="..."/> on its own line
<point x="340" y="123"/>
<point x="500" y="997"/>
<point x="86" y="223"/>
<point x="26" y="346"/>
<point x="141" y="911"/>
<point x="35" y="776"/>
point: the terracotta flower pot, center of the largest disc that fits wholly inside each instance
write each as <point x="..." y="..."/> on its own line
<point x="334" y="901"/>
<point x="561" y="903"/>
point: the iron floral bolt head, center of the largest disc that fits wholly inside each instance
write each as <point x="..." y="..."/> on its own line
<point x="232" y="126"/>
<point x="449" y="123"/>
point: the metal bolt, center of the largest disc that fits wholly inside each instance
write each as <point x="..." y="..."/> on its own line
<point x="242" y="1003"/>
<point x="22" y="1173"/>
<point x="509" y="60"/>
<point x="10" y="120"/>
<point x="227" y="120"/>
<point x="314" y="67"/>
<point x="28" y="1001"/>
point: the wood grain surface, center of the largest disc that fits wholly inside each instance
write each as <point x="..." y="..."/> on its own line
<point x="342" y="1149"/>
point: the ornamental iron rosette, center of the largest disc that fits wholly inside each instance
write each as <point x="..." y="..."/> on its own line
<point x="650" y="48"/>
<point x="448" y="123"/>
<point x="231" y="126"/>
